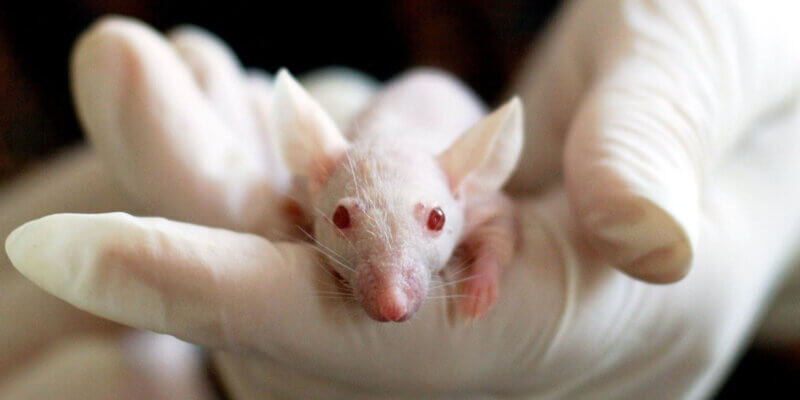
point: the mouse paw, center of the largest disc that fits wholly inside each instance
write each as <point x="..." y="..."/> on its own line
<point x="480" y="293"/>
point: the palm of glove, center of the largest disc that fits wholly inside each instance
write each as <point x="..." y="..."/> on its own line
<point x="567" y="323"/>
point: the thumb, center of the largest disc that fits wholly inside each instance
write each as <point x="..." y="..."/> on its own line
<point x="668" y="105"/>
<point x="633" y="169"/>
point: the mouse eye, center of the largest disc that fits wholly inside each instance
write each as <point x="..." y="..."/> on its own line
<point x="341" y="217"/>
<point x="436" y="219"/>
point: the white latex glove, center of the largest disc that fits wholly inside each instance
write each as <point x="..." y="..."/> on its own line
<point x="185" y="129"/>
<point x="42" y="338"/>
<point x="641" y="102"/>
<point x="566" y="325"/>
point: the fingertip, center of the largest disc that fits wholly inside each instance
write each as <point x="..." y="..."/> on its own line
<point x="206" y="54"/>
<point x="640" y="238"/>
<point x="107" y="63"/>
<point x="342" y="92"/>
<point x="284" y="79"/>
<point x="112" y="27"/>
<point x="12" y="244"/>
<point x="112" y="24"/>
<point x="192" y="32"/>
<point x="27" y="253"/>
<point x="515" y="104"/>
<point x="285" y="92"/>
<point x="633" y="173"/>
<point x="667" y="264"/>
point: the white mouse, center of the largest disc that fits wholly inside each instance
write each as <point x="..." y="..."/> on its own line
<point x="394" y="196"/>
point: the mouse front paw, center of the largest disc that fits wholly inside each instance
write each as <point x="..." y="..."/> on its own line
<point x="480" y="291"/>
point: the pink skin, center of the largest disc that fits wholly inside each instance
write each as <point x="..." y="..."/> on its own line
<point x="388" y="295"/>
<point x="488" y="246"/>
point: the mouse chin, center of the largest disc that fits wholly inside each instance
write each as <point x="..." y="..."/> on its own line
<point x="390" y="295"/>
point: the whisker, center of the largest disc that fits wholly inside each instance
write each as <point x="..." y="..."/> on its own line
<point x="332" y="258"/>
<point x="334" y="292"/>
<point x="310" y="236"/>
<point x="327" y="271"/>
<point x="326" y="284"/>
<point x="334" y="296"/>
<point x="451" y="283"/>
<point x="321" y="248"/>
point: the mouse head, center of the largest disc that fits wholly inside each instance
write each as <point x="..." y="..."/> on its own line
<point x="387" y="214"/>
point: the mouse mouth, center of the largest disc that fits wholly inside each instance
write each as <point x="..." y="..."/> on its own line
<point x="389" y="294"/>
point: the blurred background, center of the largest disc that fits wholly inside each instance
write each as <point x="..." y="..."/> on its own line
<point x="480" y="41"/>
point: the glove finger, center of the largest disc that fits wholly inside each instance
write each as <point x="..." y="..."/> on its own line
<point x="193" y="282"/>
<point x="163" y="367"/>
<point x="693" y="328"/>
<point x="551" y="83"/>
<point x="107" y="368"/>
<point x="102" y="373"/>
<point x="146" y="115"/>
<point x="59" y="185"/>
<point x="342" y="92"/>
<point x="669" y="105"/>
<point x="33" y="319"/>
<point x="239" y="292"/>
<point x="426" y="100"/>
<point x="220" y="76"/>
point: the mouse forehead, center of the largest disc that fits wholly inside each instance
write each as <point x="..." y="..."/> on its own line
<point x="385" y="176"/>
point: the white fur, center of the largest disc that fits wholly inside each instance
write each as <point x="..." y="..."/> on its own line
<point x="407" y="148"/>
<point x="386" y="230"/>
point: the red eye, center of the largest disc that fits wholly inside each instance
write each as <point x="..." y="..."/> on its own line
<point x="436" y="219"/>
<point x="341" y="217"/>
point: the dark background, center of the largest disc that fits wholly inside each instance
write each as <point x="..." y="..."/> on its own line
<point x="483" y="42"/>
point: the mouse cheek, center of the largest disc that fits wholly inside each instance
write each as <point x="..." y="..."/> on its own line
<point x="434" y="234"/>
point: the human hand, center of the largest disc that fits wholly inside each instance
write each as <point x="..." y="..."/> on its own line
<point x="638" y="103"/>
<point x="187" y="131"/>
<point x="44" y="338"/>
<point x="567" y="324"/>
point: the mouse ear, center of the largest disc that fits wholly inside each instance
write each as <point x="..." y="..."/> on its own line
<point x="310" y="139"/>
<point x="484" y="156"/>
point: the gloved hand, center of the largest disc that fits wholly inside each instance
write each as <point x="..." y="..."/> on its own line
<point x="641" y="102"/>
<point x="43" y="339"/>
<point x="567" y="323"/>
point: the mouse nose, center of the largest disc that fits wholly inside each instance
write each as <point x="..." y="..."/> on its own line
<point x="393" y="305"/>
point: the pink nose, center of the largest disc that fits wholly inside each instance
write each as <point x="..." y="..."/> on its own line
<point x="393" y="305"/>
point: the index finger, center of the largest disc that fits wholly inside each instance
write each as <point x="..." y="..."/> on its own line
<point x="209" y="286"/>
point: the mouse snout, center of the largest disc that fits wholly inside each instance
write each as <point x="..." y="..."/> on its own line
<point x="389" y="294"/>
<point x="393" y="305"/>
